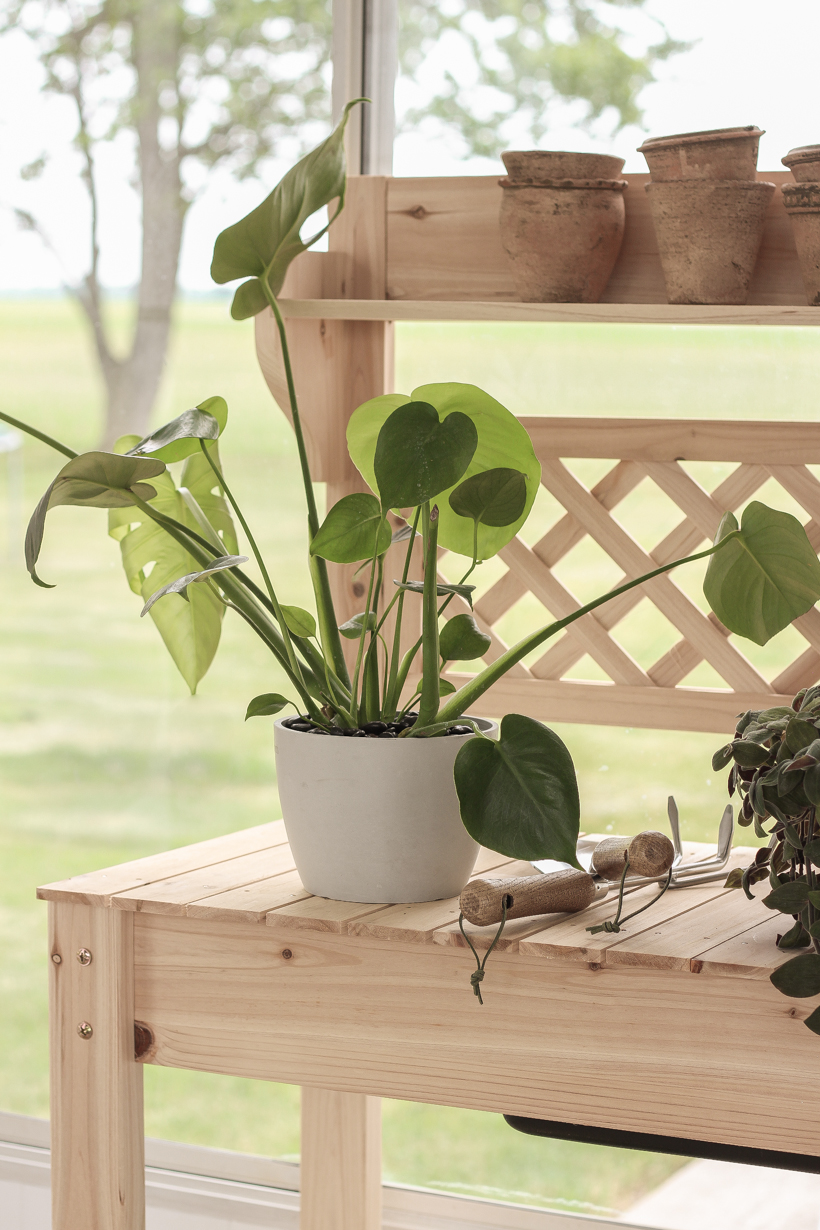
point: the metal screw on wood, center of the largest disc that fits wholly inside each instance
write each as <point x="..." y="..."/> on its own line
<point x="84" y="1029"/>
<point x="56" y="958"/>
<point x="84" y="956"/>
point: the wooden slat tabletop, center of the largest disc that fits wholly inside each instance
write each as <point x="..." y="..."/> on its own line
<point x="249" y="876"/>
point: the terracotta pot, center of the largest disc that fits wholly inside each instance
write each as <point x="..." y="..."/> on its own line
<point x="804" y="163"/>
<point x="562" y="238"/>
<point x="802" y="203"/>
<point x="540" y="166"/>
<point x="715" y="154"/>
<point x="708" y="237"/>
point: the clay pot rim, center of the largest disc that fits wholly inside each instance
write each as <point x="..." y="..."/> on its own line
<point x="611" y="185"/>
<point x="801" y="153"/>
<point x="700" y="185"/>
<point x="701" y="138"/>
<point x="810" y="194"/>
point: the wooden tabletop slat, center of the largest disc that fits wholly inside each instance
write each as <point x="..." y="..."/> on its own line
<point x="417" y="922"/>
<point x="752" y="954"/>
<point x="251" y="902"/>
<point x="98" y="887"/>
<point x="320" y="914"/>
<point x="172" y="895"/>
<point x="672" y="943"/>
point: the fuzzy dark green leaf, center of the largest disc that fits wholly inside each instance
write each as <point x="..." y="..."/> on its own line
<point x="353" y="530"/>
<point x="734" y="878"/>
<point x="418" y="456"/>
<point x="721" y="758"/>
<point x="813" y="850"/>
<point x="519" y="796"/>
<point x="267" y="239"/>
<point x="796" y="937"/>
<point x="799" y="734"/>
<point x="749" y="755"/>
<point x="788" y="898"/>
<point x="267" y="705"/>
<point x="813" y="1021"/>
<point x="798" y="978"/>
<point x="461" y="639"/>
<point x="811" y="784"/>
<point x="765" y="577"/>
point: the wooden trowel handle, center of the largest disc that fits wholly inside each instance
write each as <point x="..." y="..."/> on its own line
<point x="557" y="893"/>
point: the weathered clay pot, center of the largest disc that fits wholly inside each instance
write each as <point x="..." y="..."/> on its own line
<point x="708" y="236"/>
<point x="562" y="237"/>
<point x="804" y="163"/>
<point x="715" y="154"/>
<point x="540" y="166"/>
<point x="802" y="203"/>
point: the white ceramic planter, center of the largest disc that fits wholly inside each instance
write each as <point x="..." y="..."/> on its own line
<point x="374" y="820"/>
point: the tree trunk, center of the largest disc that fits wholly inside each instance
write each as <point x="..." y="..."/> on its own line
<point x="133" y="382"/>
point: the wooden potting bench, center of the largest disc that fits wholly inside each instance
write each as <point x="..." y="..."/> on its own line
<point x="213" y="957"/>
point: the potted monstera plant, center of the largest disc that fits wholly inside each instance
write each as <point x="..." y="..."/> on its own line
<point x="387" y="787"/>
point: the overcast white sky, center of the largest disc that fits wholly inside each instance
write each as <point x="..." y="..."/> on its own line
<point x="755" y="63"/>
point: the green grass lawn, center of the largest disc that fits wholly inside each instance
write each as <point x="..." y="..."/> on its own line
<point x="104" y="757"/>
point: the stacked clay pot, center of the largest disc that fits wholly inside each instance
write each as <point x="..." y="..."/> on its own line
<point x="708" y="208"/>
<point x="562" y="223"/>
<point x="802" y="201"/>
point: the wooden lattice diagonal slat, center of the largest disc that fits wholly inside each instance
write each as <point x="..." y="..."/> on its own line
<point x="652" y="450"/>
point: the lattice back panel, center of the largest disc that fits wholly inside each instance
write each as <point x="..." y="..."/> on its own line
<point x="655" y="696"/>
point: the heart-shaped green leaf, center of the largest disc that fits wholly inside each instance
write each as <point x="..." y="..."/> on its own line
<point x="267" y="705"/>
<point x="788" y="898"/>
<point x="151" y="558"/>
<point x="266" y="240"/>
<point x="765" y="577"/>
<point x="519" y="796"/>
<point x="461" y="639"/>
<point x="442" y="589"/>
<point x="180" y="585"/>
<point x="299" y="621"/>
<point x="92" y="480"/>
<point x="799" y="978"/>
<point x="350" y="530"/>
<point x="180" y="438"/>
<point x="493" y="497"/>
<point x="352" y="628"/>
<point x="502" y="443"/>
<point x="418" y="456"/>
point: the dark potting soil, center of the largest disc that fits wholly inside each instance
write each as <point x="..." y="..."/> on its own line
<point x="370" y="730"/>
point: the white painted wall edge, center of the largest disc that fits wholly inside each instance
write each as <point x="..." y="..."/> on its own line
<point x="186" y="1184"/>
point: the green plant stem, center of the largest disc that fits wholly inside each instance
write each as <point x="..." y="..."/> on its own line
<point x="469" y="694"/>
<point x="354" y="687"/>
<point x="294" y="661"/>
<point x="325" y="609"/>
<point x="428" y="705"/>
<point x="39" y="435"/>
<point x="392" y="692"/>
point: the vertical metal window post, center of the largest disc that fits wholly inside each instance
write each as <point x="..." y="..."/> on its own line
<point x="365" y="63"/>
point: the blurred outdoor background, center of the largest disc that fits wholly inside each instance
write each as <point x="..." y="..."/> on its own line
<point x="104" y="756"/>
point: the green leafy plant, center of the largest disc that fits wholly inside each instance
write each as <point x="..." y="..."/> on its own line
<point x="461" y="470"/>
<point x="775" y="768"/>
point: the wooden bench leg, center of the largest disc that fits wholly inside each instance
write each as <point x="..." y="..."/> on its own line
<point x="341" y="1173"/>
<point x="97" y="1146"/>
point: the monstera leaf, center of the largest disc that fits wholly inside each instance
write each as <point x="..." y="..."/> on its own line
<point x="152" y="559"/>
<point x="418" y="454"/>
<point x="266" y="240"/>
<point x="92" y="480"/>
<point x="502" y="444"/>
<point x="765" y="577"/>
<point x="180" y="438"/>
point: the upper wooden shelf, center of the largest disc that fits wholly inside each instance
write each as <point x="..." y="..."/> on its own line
<point x="430" y="249"/>
<point x="587" y="313"/>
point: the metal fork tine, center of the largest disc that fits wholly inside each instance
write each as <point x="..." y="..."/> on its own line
<point x="725" y="832"/>
<point x="672" y="810"/>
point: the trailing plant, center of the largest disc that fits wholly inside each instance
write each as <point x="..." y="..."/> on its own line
<point x="462" y="471"/>
<point x="775" y="769"/>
